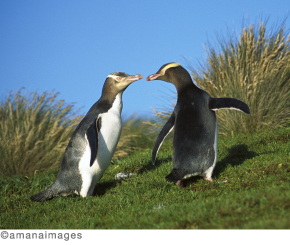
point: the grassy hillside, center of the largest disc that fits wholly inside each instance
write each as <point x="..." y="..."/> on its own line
<point x="257" y="194"/>
<point x="253" y="153"/>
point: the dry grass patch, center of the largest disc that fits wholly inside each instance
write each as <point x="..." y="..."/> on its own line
<point x="135" y="135"/>
<point x="34" y="130"/>
<point x="255" y="68"/>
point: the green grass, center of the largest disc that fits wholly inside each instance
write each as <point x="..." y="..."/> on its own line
<point x="256" y="196"/>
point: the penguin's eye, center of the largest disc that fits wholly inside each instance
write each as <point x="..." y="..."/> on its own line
<point x="118" y="79"/>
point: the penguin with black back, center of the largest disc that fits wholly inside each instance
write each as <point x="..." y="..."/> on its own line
<point x="93" y="143"/>
<point x="195" y="125"/>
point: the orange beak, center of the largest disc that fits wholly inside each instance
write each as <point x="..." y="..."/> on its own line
<point x="153" y="77"/>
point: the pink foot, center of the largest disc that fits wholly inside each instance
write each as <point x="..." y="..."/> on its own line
<point x="208" y="179"/>
<point x="179" y="183"/>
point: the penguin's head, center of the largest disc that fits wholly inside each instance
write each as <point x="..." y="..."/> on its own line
<point x="117" y="82"/>
<point x="172" y="73"/>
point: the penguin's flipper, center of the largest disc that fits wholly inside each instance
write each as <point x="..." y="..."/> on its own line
<point x="228" y="103"/>
<point x="93" y="139"/>
<point x="167" y="128"/>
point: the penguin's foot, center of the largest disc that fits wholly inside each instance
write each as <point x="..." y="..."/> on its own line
<point x="208" y="179"/>
<point x="179" y="183"/>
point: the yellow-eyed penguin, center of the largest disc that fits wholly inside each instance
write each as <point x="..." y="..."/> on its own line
<point x="195" y="125"/>
<point x="93" y="143"/>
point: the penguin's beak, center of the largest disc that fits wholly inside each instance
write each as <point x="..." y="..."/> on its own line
<point x="134" y="78"/>
<point x="153" y="77"/>
<point x="126" y="81"/>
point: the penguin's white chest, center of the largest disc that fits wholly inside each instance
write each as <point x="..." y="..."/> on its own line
<point x="109" y="134"/>
<point x="111" y="126"/>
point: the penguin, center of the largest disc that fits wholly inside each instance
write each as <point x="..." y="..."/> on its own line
<point x="93" y="143"/>
<point x="195" y="125"/>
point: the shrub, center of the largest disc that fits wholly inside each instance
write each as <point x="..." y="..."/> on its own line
<point x="34" y="131"/>
<point x="135" y="135"/>
<point x="254" y="68"/>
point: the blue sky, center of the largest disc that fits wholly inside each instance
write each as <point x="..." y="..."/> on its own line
<point x="71" y="46"/>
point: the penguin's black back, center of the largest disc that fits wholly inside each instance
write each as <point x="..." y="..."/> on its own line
<point x="194" y="132"/>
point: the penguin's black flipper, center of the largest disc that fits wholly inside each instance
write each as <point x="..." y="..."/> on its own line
<point x="90" y="126"/>
<point x="167" y="128"/>
<point x="228" y="103"/>
<point x="93" y="139"/>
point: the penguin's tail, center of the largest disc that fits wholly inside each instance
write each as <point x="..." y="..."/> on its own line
<point x="173" y="176"/>
<point x="47" y="194"/>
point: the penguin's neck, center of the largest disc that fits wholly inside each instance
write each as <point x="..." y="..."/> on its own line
<point x="182" y="81"/>
<point x="118" y="104"/>
<point x="180" y="87"/>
